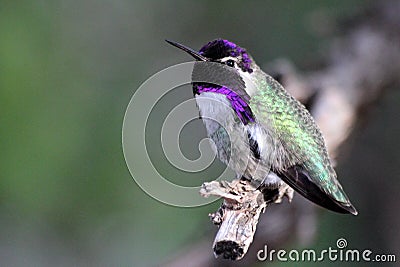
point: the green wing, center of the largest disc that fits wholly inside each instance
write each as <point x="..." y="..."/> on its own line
<point x="306" y="165"/>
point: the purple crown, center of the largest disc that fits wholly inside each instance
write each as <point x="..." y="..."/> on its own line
<point x="221" y="48"/>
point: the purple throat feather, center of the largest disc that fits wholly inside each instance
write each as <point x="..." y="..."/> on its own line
<point x="241" y="108"/>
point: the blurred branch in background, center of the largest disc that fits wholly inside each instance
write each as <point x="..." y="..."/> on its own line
<point x="362" y="62"/>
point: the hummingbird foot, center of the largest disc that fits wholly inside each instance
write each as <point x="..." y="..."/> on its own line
<point x="284" y="191"/>
<point x="276" y="195"/>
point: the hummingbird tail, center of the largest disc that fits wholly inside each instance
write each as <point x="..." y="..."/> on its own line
<point x="298" y="178"/>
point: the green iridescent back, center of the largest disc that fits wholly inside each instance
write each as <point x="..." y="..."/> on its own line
<point x="298" y="133"/>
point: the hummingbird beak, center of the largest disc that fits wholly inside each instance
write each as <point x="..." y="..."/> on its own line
<point x="188" y="50"/>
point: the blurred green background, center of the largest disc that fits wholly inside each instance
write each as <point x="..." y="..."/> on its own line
<point x="67" y="72"/>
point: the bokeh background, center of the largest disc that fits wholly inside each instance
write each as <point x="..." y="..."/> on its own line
<point x="67" y="72"/>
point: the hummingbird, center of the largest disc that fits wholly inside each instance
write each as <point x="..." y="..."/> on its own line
<point x="262" y="132"/>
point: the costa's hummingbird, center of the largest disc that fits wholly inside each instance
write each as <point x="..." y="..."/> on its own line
<point x="262" y="132"/>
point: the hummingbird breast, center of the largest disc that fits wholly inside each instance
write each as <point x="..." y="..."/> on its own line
<point x="243" y="147"/>
<point x="215" y="111"/>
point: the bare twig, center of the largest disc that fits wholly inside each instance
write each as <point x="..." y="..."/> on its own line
<point x="237" y="217"/>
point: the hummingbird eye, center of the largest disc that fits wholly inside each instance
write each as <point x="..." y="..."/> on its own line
<point x="230" y="62"/>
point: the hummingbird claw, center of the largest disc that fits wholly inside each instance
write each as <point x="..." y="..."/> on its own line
<point x="284" y="191"/>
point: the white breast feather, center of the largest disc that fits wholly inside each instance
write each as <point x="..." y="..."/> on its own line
<point x="215" y="106"/>
<point x="215" y="110"/>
